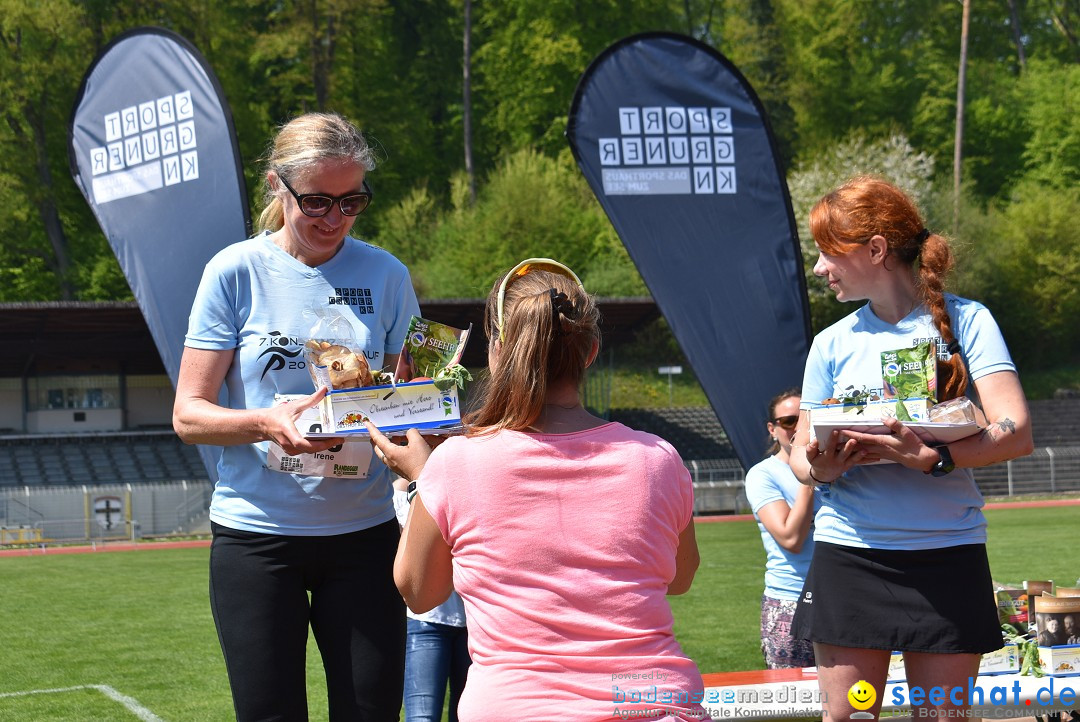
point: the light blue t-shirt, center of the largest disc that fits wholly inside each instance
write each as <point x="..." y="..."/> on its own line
<point x="768" y="481"/>
<point x="888" y="506"/>
<point x="253" y="298"/>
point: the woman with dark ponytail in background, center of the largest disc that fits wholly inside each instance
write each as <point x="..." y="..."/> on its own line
<point x="563" y="533"/>
<point x="899" y="556"/>
<point x="784" y="510"/>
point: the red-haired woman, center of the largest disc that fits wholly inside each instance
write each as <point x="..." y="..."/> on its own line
<point x="899" y="556"/>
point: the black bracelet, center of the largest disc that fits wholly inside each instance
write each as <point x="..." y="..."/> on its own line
<point x="815" y="479"/>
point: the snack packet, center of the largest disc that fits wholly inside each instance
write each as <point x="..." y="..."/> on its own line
<point x="909" y="374"/>
<point x="433" y="351"/>
<point x="334" y="358"/>
<point x="1012" y="605"/>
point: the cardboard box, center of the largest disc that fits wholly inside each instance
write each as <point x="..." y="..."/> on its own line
<point x="872" y="410"/>
<point x="1038" y="587"/>
<point x="1003" y="661"/>
<point x="1062" y="660"/>
<point x="419" y="404"/>
<point x="896" y="673"/>
<point x="429" y="349"/>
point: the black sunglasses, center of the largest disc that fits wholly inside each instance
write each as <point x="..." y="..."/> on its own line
<point x="317" y="205"/>
<point x="786" y="422"/>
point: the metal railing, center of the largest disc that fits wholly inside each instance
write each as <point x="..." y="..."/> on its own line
<point x="69" y="514"/>
<point x="719" y="483"/>
<point x="1048" y="470"/>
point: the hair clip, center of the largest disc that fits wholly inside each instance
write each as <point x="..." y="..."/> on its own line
<point x="921" y="236"/>
<point x="954" y="347"/>
<point x="560" y="304"/>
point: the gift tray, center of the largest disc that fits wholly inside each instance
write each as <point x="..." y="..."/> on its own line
<point x="929" y="431"/>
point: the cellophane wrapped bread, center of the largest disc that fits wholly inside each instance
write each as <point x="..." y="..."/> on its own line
<point x="343" y="367"/>
<point x="954" y="411"/>
<point x="334" y="358"/>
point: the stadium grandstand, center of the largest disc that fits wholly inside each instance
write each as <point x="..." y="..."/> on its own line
<point x="87" y="448"/>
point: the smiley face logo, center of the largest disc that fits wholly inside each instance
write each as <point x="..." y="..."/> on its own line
<point x="862" y="695"/>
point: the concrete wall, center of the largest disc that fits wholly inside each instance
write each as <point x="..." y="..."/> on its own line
<point x="149" y="401"/>
<point x="53" y="421"/>
<point x="11" y="404"/>
<point x="149" y="405"/>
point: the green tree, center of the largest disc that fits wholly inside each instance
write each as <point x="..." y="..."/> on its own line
<point x="1051" y="94"/>
<point x="527" y="67"/>
<point x="995" y="134"/>
<point x="531" y="205"/>
<point x="882" y="67"/>
<point x="827" y="71"/>
<point x="1055" y="28"/>
<point x="406" y="92"/>
<point x="854" y="64"/>
<point x="892" y="158"/>
<point x="531" y="53"/>
<point x="1024" y="267"/>
<point x="42" y="46"/>
<point x="750" y="36"/>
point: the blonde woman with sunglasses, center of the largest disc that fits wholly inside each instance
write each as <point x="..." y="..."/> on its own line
<point x="562" y="533"/>
<point x="293" y="552"/>
<point x="784" y="509"/>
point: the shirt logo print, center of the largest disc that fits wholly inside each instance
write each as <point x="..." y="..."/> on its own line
<point x="278" y="352"/>
<point x="358" y="298"/>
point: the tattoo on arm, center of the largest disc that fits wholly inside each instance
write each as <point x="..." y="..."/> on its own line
<point x="1000" y="428"/>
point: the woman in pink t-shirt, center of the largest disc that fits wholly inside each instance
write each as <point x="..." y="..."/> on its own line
<point x="562" y="533"/>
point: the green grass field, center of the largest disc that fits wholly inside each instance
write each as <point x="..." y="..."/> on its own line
<point x="138" y="623"/>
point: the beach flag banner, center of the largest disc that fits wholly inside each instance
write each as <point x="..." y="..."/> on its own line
<point x="677" y="148"/>
<point x="153" y="149"/>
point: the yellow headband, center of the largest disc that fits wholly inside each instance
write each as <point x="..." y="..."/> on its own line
<point x="526" y="266"/>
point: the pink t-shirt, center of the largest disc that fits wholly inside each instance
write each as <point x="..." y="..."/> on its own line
<point x="563" y="548"/>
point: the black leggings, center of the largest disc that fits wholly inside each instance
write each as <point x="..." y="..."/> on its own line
<point x="259" y="586"/>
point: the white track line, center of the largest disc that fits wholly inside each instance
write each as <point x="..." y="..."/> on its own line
<point x="130" y="703"/>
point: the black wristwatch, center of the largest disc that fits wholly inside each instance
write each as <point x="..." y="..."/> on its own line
<point x="945" y="464"/>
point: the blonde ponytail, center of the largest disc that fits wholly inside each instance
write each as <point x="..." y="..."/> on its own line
<point x="272" y="217"/>
<point x="549" y="327"/>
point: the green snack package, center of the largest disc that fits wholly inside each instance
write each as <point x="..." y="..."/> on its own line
<point x="910" y="374"/>
<point x="1012" y="607"/>
<point x="432" y="351"/>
